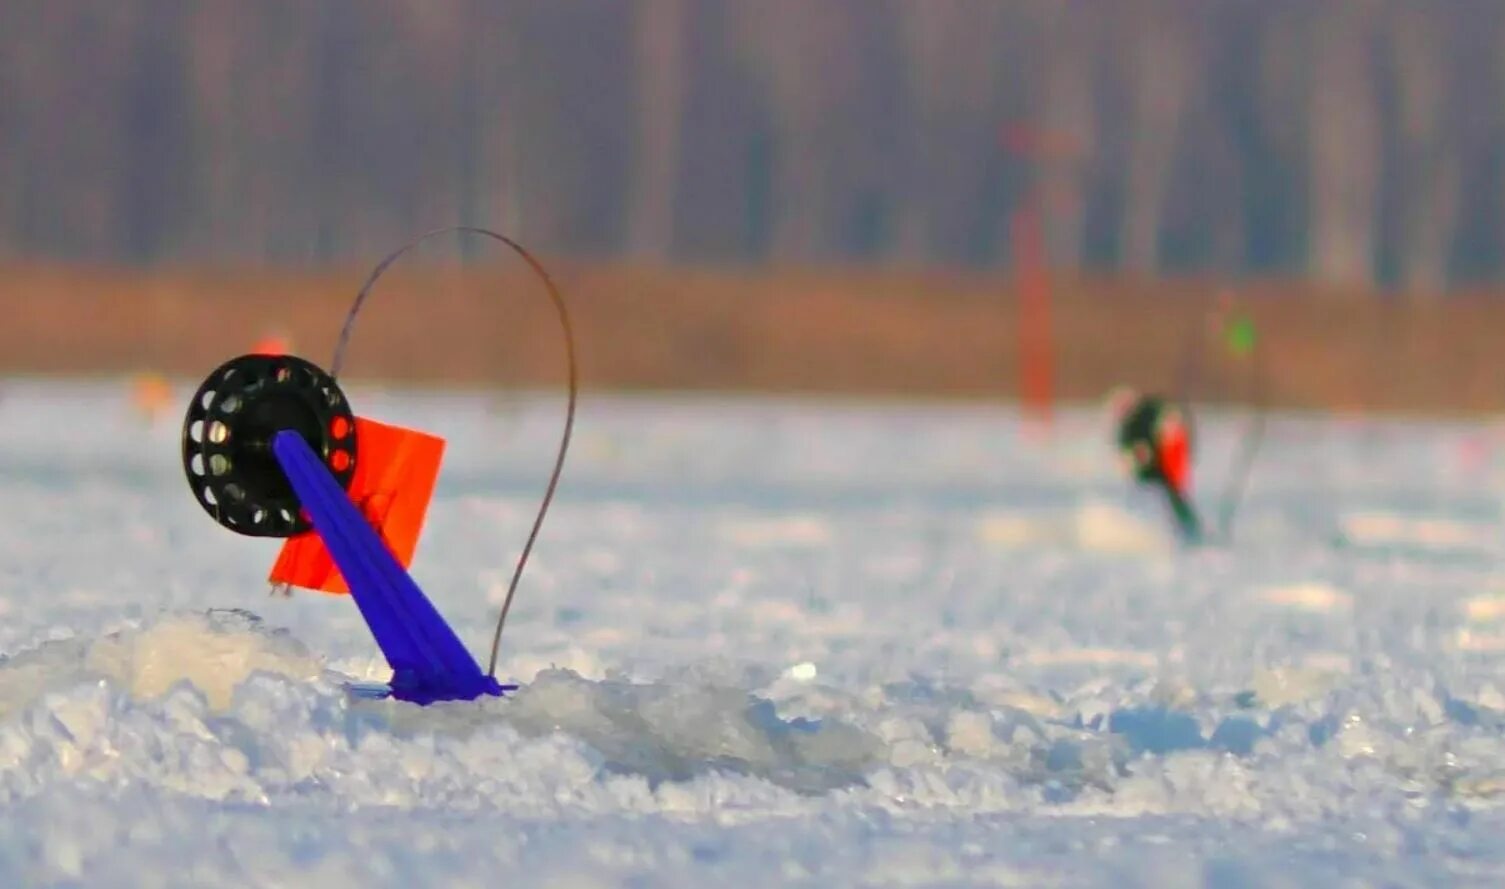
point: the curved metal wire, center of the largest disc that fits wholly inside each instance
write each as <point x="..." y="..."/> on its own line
<point x="1242" y="466"/>
<point x="343" y="344"/>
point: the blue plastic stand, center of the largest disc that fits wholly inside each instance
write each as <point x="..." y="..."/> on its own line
<point x="428" y="661"/>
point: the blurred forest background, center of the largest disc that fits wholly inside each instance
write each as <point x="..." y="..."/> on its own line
<point x="1338" y="146"/>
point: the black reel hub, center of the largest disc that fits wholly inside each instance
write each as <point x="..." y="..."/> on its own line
<point x="228" y="432"/>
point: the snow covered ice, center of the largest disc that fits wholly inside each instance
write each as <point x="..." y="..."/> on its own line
<point x="767" y="642"/>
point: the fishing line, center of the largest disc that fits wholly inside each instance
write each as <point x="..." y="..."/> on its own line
<point x="574" y="385"/>
<point x="1243" y="465"/>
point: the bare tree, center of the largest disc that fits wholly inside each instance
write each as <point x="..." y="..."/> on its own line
<point x="803" y="55"/>
<point x="1161" y="62"/>
<point x="69" y="122"/>
<point x="1429" y="170"/>
<point x="661" y="32"/>
<point x="1069" y="108"/>
<point x="956" y="57"/>
<point x="1344" y="133"/>
<point x="495" y="127"/>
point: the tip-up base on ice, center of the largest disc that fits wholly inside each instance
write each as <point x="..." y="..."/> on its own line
<point x="272" y="449"/>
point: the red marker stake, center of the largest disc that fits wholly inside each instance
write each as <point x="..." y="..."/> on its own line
<point x="1035" y="346"/>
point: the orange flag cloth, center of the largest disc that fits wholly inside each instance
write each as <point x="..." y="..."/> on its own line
<point x="1175" y="457"/>
<point x="395" y="473"/>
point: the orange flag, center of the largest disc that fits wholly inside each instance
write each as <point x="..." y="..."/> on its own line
<point x="270" y="345"/>
<point x="1175" y="457"/>
<point x="395" y="473"/>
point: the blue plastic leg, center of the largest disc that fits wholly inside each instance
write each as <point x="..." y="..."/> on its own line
<point x="428" y="661"/>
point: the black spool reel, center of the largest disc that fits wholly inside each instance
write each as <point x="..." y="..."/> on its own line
<point x="227" y="440"/>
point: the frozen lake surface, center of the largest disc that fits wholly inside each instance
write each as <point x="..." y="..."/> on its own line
<point x="768" y="642"/>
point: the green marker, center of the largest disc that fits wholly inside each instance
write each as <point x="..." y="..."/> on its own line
<point x="1240" y="337"/>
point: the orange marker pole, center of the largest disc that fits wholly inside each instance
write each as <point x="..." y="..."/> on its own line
<point x="1035" y="347"/>
<point x="1037" y="147"/>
